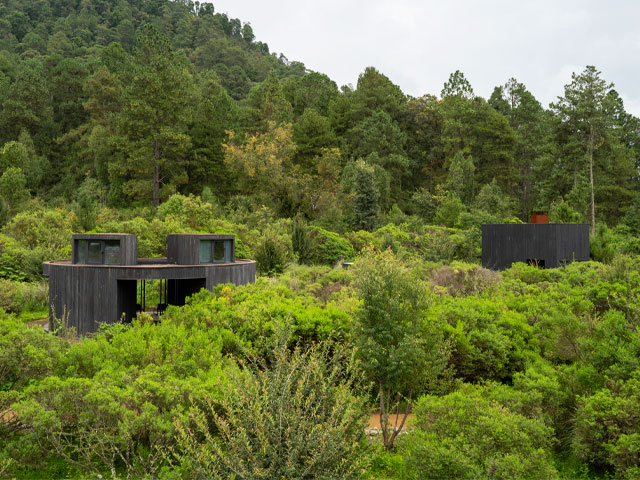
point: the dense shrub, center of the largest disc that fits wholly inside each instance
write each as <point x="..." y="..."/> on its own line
<point x="272" y="254"/>
<point x="301" y="242"/>
<point x="603" y="244"/>
<point x="26" y="353"/>
<point x="329" y="247"/>
<point x="46" y="228"/>
<point x="607" y="427"/>
<point x="20" y="296"/>
<point x="465" y="436"/>
<point x="449" y="211"/>
<point x="487" y="341"/>
<point x="250" y="315"/>
<point x="460" y="280"/>
<point x="296" y="418"/>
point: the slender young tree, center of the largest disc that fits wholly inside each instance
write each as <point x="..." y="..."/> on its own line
<point x="400" y="350"/>
<point x="585" y="110"/>
<point x="460" y="178"/>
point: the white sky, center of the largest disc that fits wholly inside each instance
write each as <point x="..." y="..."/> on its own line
<point x="417" y="44"/>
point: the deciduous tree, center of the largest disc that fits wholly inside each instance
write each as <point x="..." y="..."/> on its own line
<point x="400" y="350"/>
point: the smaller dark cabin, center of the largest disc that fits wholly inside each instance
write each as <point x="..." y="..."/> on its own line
<point x="546" y="245"/>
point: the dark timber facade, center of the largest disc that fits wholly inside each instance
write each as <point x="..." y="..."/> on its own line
<point x="545" y="245"/>
<point x="100" y="282"/>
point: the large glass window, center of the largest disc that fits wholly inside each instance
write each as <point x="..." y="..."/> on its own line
<point x="218" y="251"/>
<point x="94" y="252"/>
<point x="205" y="251"/>
<point x="215" y="251"/>
<point x="81" y="251"/>
<point x="228" y="245"/>
<point x="112" y="252"/>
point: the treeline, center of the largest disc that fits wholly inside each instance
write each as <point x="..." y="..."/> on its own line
<point x="125" y="103"/>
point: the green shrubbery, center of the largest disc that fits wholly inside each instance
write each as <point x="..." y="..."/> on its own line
<point x="17" y="297"/>
<point x="328" y="247"/>
<point x="543" y="349"/>
<point x="296" y="418"/>
<point x="463" y="435"/>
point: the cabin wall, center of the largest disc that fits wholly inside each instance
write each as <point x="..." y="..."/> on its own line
<point x="505" y="244"/>
<point x="89" y="294"/>
<point x="572" y="243"/>
<point x="128" y="245"/>
<point x="83" y="296"/>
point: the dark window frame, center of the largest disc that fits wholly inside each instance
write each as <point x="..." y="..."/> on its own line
<point x="102" y="242"/>
<point x="227" y="247"/>
<point x="83" y="249"/>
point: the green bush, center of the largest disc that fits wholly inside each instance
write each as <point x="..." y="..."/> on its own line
<point x="297" y="418"/>
<point x="271" y="254"/>
<point x="604" y="244"/>
<point x="17" y="297"/>
<point x="465" y="436"/>
<point x="449" y="210"/>
<point x="329" y="247"/>
<point x="607" y="426"/>
<point x="301" y="241"/>
<point x="46" y="228"/>
<point x="26" y="353"/>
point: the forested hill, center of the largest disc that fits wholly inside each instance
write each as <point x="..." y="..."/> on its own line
<point x="137" y="100"/>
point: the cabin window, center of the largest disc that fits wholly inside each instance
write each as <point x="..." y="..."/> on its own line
<point x="81" y="251"/>
<point x="206" y="253"/>
<point x="112" y="252"/>
<point x="215" y="251"/>
<point x="98" y="252"/>
<point x="94" y="252"/>
<point x="228" y="248"/>
<point x="219" y="251"/>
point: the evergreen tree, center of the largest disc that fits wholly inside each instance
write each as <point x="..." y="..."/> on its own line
<point x="87" y="205"/>
<point x="311" y="133"/>
<point x="527" y="119"/>
<point x="586" y="111"/>
<point x="13" y="191"/>
<point x="268" y="104"/>
<point x="366" y="197"/>
<point x="460" y="179"/>
<point x="156" y="110"/>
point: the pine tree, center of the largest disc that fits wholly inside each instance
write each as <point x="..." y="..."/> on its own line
<point x="367" y="196"/>
<point x="154" y="118"/>
<point x="584" y="109"/>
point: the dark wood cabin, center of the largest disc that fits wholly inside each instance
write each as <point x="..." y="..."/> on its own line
<point x="101" y="281"/>
<point x="544" y="245"/>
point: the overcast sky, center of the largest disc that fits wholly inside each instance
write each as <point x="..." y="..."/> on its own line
<point x="417" y="44"/>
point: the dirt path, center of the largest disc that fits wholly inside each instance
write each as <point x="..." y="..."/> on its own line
<point x="374" y="420"/>
<point x="42" y="322"/>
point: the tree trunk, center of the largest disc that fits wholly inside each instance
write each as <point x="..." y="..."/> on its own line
<point x="384" y="418"/>
<point x="593" y="202"/>
<point x="156" y="173"/>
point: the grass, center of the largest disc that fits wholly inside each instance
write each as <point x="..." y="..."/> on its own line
<point x="27" y="316"/>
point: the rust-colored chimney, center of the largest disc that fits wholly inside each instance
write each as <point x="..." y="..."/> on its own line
<point x="539" y="217"/>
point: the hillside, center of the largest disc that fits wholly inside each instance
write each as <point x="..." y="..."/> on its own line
<point x="72" y="71"/>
